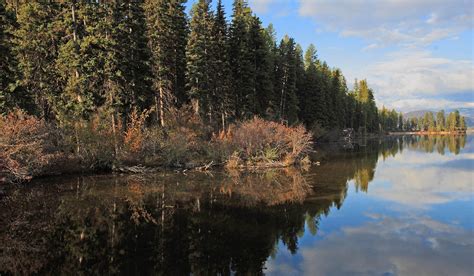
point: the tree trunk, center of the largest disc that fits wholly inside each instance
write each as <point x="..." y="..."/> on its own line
<point x="223" y="119"/>
<point x="161" y="108"/>
<point x="74" y="33"/>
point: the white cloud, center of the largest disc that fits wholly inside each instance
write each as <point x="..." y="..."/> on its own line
<point x="371" y="46"/>
<point x="411" y="78"/>
<point x="392" y="246"/>
<point x="423" y="183"/>
<point x="401" y="22"/>
<point x="407" y="105"/>
<point x="261" y="6"/>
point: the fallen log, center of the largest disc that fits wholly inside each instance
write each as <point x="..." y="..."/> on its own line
<point x="135" y="169"/>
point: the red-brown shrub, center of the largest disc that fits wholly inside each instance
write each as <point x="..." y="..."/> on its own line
<point x="134" y="134"/>
<point x="27" y="146"/>
<point x="258" y="141"/>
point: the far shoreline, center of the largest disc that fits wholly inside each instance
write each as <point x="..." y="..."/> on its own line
<point x="453" y="133"/>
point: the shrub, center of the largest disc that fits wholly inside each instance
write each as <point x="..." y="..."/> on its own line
<point x="134" y="134"/>
<point x="31" y="147"/>
<point x="95" y="142"/>
<point x="187" y="139"/>
<point x="184" y="140"/>
<point x="28" y="146"/>
<point x="137" y="139"/>
<point x="257" y="142"/>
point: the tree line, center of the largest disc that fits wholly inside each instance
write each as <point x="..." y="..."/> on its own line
<point x="391" y="120"/>
<point x="439" y="122"/>
<point x="66" y="60"/>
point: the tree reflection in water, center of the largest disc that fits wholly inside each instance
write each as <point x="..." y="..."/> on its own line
<point x="180" y="224"/>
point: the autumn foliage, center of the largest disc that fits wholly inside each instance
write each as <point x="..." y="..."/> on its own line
<point x="27" y="147"/>
<point x="31" y="147"/>
<point x="258" y="142"/>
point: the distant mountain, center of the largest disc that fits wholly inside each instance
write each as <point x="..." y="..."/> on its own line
<point x="466" y="112"/>
<point x="416" y="114"/>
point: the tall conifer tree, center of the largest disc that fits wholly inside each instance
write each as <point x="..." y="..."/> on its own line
<point x="199" y="54"/>
<point x="221" y="67"/>
<point x="262" y="66"/>
<point x="36" y="48"/>
<point x="310" y="105"/>
<point x="300" y="79"/>
<point x="167" y="36"/>
<point x="133" y="54"/>
<point x="240" y="58"/>
<point x="288" y="109"/>
<point x="7" y="62"/>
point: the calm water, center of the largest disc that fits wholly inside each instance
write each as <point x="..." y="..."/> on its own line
<point x="403" y="206"/>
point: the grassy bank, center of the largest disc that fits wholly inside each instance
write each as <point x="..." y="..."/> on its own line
<point x="31" y="147"/>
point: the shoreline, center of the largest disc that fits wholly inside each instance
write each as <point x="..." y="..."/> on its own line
<point x="453" y="133"/>
<point x="141" y="169"/>
<point x="79" y="169"/>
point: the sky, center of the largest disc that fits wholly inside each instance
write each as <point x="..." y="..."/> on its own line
<point x="415" y="54"/>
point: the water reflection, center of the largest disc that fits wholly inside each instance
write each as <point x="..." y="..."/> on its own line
<point x="154" y="224"/>
<point x="386" y="245"/>
<point x="236" y="221"/>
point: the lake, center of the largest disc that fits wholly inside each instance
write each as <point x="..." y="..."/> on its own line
<point x="397" y="206"/>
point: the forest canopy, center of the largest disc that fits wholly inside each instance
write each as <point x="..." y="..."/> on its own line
<point x="67" y="60"/>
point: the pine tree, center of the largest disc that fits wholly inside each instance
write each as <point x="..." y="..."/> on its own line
<point x="310" y="56"/>
<point x="133" y="54"/>
<point x="241" y="57"/>
<point x="457" y="118"/>
<point x="300" y="79"/>
<point x="440" y="121"/>
<point x="325" y="102"/>
<point x="400" y="122"/>
<point x="351" y="104"/>
<point x="329" y="96"/>
<point x="311" y="103"/>
<point x="36" y="48"/>
<point x="88" y="62"/>
<point x="200" y="57"/>
<point x="339" y="91"/>
<point x="221" y="68"/>
<point x="429" y="122"/>
<point x="7" y="62"/>
<point x="451" y="122"/>
<point x="178" y="39"/>
<point x="367" y="108"/>
<point x="269" y="35"/>
<point x="263" y="68"/>
<point x="286" y="73"/>
<point x="167" y="35"/>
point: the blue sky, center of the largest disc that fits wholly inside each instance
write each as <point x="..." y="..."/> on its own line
<point x="416" y="54"/>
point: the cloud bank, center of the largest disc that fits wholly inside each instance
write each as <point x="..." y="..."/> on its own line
<point x="410" y="76"/>
<point x="404" y="246"/>
<point x="406" y="22"/>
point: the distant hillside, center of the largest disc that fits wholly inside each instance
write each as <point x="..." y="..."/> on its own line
<point x="416" y="114"/>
